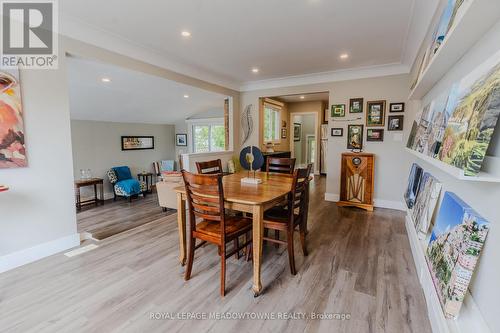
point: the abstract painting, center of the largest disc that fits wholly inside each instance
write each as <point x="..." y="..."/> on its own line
<point x="414" y="179"/>
<point x="475" y="105"/>
<point x="425" y="204"/>
<point x="454" y="248"/>
<point x="12" y="145"/>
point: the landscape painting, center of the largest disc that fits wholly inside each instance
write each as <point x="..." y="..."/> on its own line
<point x="12" y="145"/>
<point x="476" y="106"/>
<point x="425" y="204"/>
<point x="454" y="248"/>
<point x="414" y="180"/>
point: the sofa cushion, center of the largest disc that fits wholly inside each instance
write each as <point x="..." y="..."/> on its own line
<point x="122" y="172"/>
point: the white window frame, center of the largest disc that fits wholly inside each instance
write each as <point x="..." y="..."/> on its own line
<point x="202" y="122"/>
<point x="278" y="110"/>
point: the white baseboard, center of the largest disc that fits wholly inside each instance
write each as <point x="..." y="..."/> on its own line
<point x="334" y="197"/>
<point x="37" y="252"/>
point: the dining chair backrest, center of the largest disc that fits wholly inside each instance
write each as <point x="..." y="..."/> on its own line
<point x="280" y="165"/>
<point x="298" y="197"/>
<point x="209" y="167"/>
<point x="205" y="197"/>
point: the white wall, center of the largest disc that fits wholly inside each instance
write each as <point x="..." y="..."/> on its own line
<point x="483" y="197"/>
<point x="391" y="164"/>
<point x="39" y="211"/>
<point x="97" y="146"/>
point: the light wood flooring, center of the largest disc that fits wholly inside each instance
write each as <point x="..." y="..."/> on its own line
<point x="359" y="263"/>
<point x="118" y="216"/>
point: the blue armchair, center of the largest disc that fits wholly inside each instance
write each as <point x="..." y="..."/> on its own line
<point x="123" y="183"/>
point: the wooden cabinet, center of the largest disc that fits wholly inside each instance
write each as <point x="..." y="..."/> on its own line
<point x="356" y="180"/>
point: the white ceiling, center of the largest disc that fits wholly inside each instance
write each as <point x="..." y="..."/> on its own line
<point x="281" y="37"/>
<point x="132" y="96"/>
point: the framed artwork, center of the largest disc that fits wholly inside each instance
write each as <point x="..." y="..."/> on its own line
<point x="455" y="246"/>
<point x="425" y="204"/>
<point x="283" y="133"/>
<point x="338" y="110"/>
<point x="395" y="123"/>
<point x="138" y="142"/>
<point x="375" y="134"/>
<point x="355" y="137"/>
<point x="181" y="140"/>
<point x="283" y="123"/>
<point x="325" y="115"/>
<point x="397" y="107"/>
<point x="356" y="105"/>
<point x="12" y="145"/>
<point x="414" y="179"/>
<point x="297" y="131"/>
<point x="337" y="132"/>
<point x="375" y="113"/>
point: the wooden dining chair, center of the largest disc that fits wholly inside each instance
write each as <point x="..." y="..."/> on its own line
<point x="205" y="197"/>
<point x="280" y="165"/>
<point x="287" y="218"/>
<point x="209" y="167"/>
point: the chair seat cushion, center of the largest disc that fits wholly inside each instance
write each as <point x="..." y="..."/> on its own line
<point x="128" y="187"/>
<point x="235" y="225"/>
<point x="122" y="172"/>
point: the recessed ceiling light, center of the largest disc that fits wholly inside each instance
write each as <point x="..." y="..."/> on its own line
<point x="255" y="70"/>
<point x="185" y="33"/>
<point x="302" y="97"/>
<point x="344" y="56"/>
<point x="106" y="79"/>
<point x="186" y="96"/>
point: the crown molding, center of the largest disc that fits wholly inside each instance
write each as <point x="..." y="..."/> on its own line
<point x="84" y="32"/>
<point x="325" y="77"/>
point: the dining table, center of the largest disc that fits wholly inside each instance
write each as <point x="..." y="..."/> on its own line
<point x="246" y="198"/>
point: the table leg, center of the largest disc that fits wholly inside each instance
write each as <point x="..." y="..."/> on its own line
<point x="95" y="195"/>
<point x="258" y="230"/>
<point x="181" y="222"/>
<point x="78" y="199"/>
<point x="102" y="193"/>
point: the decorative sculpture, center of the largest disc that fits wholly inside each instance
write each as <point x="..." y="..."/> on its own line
<point x="247" y="123"/>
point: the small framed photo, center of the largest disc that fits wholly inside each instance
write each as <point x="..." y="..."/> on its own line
<point x="397" y="107"/>
<point x="297" y="131"/>
<point x="338" y="110"/>
<point x="355" y="137"/>
<point x="395" y="123"/>
<point x="356" y="105"/>
<point x="375" y="134"/>
<point x="337" y="132"/>
<point x="283" y="123"/>
<point x="181" y="140"/>
<point x="375" y="114"/>
<point x="283" y="133"/>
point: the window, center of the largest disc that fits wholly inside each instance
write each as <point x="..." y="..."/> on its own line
<point x="271" y="123"/>
<point x="208" y="137"/>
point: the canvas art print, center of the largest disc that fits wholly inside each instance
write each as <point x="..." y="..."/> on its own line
<point x="454" y="248"/>
<point x="12" y="145"/>
<point x="425" y="204"/>
<point x="414" y="179"/>
<point x="475" y="105"/>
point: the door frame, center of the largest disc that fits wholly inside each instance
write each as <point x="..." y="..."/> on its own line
<point x="316" y="132"/>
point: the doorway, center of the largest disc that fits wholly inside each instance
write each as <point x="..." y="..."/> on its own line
<point x="304" y="138"/>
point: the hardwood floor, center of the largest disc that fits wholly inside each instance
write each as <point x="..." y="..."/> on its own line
<point x="118" y="216"/>
<point x="359" y="263"/>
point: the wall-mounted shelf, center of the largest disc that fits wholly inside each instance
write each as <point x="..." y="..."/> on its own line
<point x="475" y="19"/>
<point x="490" y="171"/>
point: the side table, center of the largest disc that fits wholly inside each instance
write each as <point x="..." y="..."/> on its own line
<point x="147" y="177"/>
<point x="89" y="182"/>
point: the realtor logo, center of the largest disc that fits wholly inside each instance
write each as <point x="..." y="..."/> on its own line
<point x="29" y="34"/>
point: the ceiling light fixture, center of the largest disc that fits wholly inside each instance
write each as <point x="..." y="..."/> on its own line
<point x="344" y="56"/>
<point x="106" y="79"/>
<point x="255" y="70"/>
<point x="185" y="33"/>
<point x="302" y="97"/>
<point x="186" y="96"/>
